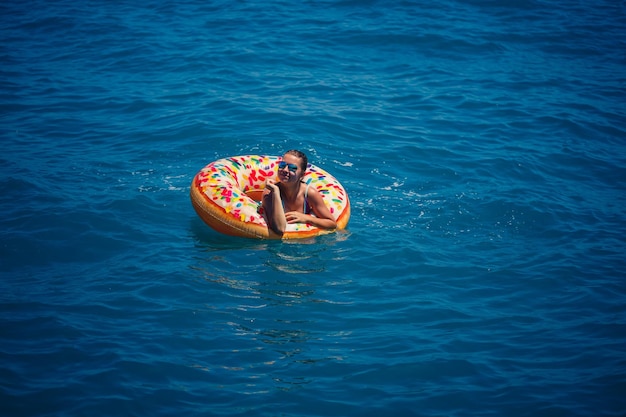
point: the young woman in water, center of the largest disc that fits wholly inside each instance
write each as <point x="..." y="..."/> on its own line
<point x="290" y="200"/>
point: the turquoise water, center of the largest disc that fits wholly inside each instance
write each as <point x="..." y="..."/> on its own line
<point x="483" y="146"/>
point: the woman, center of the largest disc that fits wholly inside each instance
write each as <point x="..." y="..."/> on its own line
<point x="290" y="200"/>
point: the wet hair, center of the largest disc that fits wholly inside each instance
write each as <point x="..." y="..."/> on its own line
<point x="304" y="160"/>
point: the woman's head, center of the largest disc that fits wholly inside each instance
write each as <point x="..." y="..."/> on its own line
<point x="293" y="166"/>
<point x="304" y="161"/>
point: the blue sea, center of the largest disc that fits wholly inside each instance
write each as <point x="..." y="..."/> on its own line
<point x="483" y="147"/>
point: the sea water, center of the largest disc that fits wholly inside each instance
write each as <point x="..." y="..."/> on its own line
<point x="483" y="147"/>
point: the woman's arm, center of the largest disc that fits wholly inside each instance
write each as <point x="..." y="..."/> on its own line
<point x="273" y="207"/>
<point x="322" y="219"/>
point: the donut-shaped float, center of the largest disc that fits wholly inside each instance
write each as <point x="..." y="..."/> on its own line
<point x="226" y="194"/>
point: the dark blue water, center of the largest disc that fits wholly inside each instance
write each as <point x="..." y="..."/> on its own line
<point x="483" y="146"/>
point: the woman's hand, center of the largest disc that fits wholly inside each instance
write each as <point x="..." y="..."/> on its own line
<point x="271" y="187"/>
<point x="295" y="217"/>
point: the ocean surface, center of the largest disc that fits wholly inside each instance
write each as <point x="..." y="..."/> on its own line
<point x="483" y="147"/>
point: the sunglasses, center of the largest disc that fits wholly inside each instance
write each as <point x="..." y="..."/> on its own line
<point x="292" y="167"/>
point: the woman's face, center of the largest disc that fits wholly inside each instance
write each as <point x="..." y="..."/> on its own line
<point x="290" y="171"/>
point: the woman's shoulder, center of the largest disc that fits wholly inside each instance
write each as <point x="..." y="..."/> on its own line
<point x="306" y="187"/>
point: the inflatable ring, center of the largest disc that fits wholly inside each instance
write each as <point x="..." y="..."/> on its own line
<point x="226" y="194"/>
